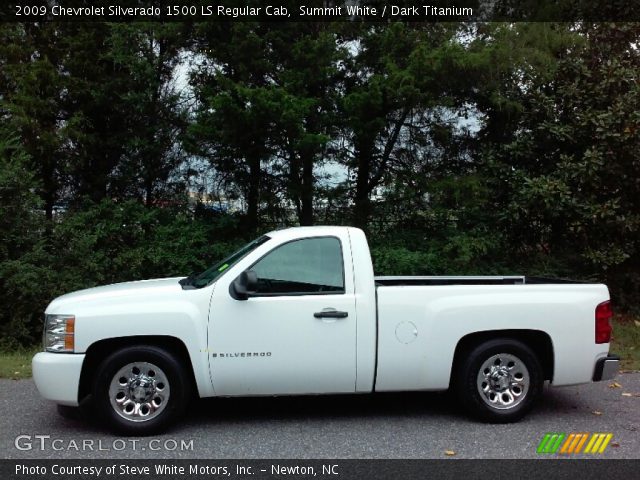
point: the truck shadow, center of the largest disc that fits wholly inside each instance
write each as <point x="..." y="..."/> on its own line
<point x="322" y="407"/>
<point x="440" y="405"/>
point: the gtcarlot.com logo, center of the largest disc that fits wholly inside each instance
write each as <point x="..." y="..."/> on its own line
<point x="574" y="443"/>
<point x="49" y="443"/>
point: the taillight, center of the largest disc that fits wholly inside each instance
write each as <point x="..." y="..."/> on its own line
<point x="603" y="322"/>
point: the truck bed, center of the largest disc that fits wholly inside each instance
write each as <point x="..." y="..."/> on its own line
<point x="421" y="320"/>
<point x="388" y="281"/>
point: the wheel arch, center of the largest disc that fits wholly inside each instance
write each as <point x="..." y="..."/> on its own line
<point x="537" y="340"/>
<point x="99" y="350"/>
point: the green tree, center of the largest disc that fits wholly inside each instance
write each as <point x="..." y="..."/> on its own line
<point x="123" y="114"/>
<point x="266" y="105"/>
<point x="568" y="174"/>
<point x="398" y="76"/>
<point x="307" y="59"/>
<point x="234" y="119"/>
<point x="21" y="226"/>
<point x="31" y="55"/>
<point x="150" y="53"/>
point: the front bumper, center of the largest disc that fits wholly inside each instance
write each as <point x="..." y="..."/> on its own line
<point x="606" y="368"/>
<point x="57" y="376"/>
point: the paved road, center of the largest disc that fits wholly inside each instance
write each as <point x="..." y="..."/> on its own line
<point x="411" y="425"/>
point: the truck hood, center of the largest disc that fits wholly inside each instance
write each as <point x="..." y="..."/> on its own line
<point x="142" y="289"/>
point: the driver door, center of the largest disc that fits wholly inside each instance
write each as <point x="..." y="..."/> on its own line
<point x="297" y="333"/>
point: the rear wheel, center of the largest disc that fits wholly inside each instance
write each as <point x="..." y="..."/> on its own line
<point x="499" y="380"/>
<point x="141" y="390"/>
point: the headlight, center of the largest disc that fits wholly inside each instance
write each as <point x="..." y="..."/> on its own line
<point x="58" y="333"/>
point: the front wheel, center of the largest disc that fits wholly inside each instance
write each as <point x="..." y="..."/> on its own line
<point x="141" y="390"/>
<point x="499" y="380"/>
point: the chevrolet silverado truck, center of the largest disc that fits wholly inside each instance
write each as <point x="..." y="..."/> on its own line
<point x="299" y="312"/>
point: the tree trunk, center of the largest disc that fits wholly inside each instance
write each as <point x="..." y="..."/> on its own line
<point x="362" y="202"/>
<point x="306" y="194"/>
<point x="253" y="194"/>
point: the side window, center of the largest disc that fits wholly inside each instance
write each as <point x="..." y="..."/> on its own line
<point x="311" y="266"/>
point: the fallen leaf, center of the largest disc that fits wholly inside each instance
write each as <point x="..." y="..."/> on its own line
<point x="449" y="453"/>
<point x="637" y="323"/>
<point x="16" y="373"/>
<point x="597" y="412"/>
<point x="614" y="445"/>
<point x="615" y="385"/>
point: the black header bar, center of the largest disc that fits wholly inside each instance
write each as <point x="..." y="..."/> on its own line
<point x="321" y="10"/>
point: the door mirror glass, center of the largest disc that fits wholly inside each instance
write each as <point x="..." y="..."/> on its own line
<point x="244" y="286"/>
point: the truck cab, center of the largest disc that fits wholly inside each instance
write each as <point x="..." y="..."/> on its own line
<point x="310" y="317"/>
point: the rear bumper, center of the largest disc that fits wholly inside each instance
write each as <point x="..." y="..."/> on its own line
<point x="57" y="376"/>
<point x="606" y="368"/>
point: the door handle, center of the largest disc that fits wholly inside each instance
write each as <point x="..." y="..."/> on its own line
<point x="331" y="314"/>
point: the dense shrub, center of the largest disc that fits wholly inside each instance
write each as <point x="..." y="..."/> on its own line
<point x="100" y="244"/>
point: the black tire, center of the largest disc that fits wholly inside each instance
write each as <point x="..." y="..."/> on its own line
<point x="175" y="383"/>
<point x="499" y="403"/>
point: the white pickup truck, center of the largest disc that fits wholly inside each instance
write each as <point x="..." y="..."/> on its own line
<point x="299" y="312"/>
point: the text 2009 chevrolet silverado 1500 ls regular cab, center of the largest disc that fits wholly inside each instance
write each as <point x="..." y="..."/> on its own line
<point x="299" y="311"/>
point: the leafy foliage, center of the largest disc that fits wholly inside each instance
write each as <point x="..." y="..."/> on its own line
<point x="106" y="243"/>
<point x="142" y="150"/>
<point x="20" y="228"/>
<point x="569" y="179"/>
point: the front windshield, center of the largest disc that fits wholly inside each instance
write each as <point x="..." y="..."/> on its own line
<point x="205" y="278"/>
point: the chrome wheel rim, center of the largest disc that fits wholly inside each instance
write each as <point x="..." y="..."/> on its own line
<point x="503" y="381"/>
<point x="139" y="391"/>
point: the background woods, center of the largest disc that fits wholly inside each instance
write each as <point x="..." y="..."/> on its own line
<point x="132" y="151"/>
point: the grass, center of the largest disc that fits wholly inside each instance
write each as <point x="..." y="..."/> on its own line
<point x="17" y="365"/>
<point x="626" y="341"/>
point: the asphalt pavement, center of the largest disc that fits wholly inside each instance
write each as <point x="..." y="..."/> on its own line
<point x="406" y="425"/>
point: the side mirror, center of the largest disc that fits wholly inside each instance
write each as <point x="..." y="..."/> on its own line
<point x="244" y="286"/>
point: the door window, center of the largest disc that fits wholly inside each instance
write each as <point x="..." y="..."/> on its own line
<point x="311" y="266"/>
